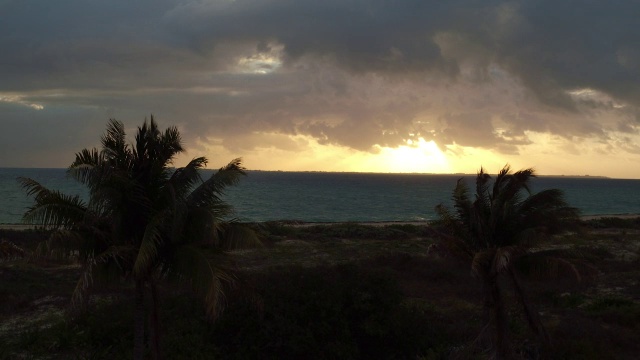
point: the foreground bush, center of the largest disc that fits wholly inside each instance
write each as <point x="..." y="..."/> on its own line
<point x="352" y="311"/>
<point x="331" y="312"/>
<point x="343" y="312"/>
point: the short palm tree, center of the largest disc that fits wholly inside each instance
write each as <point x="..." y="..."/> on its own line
<point x="144" y="219"/>
<point x="493" y="230"/>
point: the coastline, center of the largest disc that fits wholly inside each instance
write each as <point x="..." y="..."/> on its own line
<point x="19" y="227"/>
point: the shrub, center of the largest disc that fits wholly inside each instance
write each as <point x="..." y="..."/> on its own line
<point x="613" y="222"/>
<point x="615" y="310"/>
<point x="344" y="312"/>
<point x="25" y="239"/>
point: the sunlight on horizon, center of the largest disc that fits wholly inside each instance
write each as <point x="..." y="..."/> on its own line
<point x="304" y="153"/>
<point x="418" y="156"/>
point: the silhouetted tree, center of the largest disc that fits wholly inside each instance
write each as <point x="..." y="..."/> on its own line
<point x="493" y="230"/>
<point x="144" y="220"/>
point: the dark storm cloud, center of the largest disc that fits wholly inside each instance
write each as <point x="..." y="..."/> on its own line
<point x="557" y="45"/>
<point x="32" y="138"/>
<point x="349" y="72"/>
<point x="550" y="45"/>
<point x="387" y="36"/>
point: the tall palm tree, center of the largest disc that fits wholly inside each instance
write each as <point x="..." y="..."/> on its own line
<point x="144" y="219"/>
<point x="493" y="230"/>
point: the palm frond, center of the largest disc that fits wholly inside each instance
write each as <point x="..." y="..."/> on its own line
<point x="500" y="182"/>
<point x="208" y="193"/>
<point x="151" y="144"/>
<point x="461" y="201"/>
<point x="170" y="145"/>
<point x="204" y="224"/>
<point x="114" y="258"/>
<point x="230" y="174"/>
<point x="52" y="208"/>
<point x="79" y="297"/>
<point x="546" y="199"/>
<point x="508" y="186"/>
<point x="149" y="247"/>
<point x="114" y="145"/>
<point x="143" y="143"/>
<point x="549" y="210"/>
<point x="520" y="181"/>
<point x="185" y="178"/>
<point x="483" y="201"/>
<point x="88" y="167"/>
<point x="208" y="275"/>
<point x="116" y="262"/>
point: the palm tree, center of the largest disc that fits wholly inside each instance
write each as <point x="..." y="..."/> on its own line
<point x="144" y="219"/>
<point x="493" y="231"/>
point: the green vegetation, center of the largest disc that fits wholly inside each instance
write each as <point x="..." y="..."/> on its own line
<point x="145" y="221"/>
<point x="326" y="312"/>
<point x="423" y="300"/>
<point x="275" y="229"/>
<point x="614" y="222"/>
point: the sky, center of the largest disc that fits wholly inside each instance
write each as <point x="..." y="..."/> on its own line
<point x="424" y="86"/>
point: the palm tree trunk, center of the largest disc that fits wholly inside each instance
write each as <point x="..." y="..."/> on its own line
<point x="496" y="317"/>
<point x="154" y="328"/>
<point x="533" y="318"/>
<point x="138" y="318"/>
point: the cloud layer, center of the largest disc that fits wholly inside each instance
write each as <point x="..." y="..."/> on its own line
<point x="351" y="73"/>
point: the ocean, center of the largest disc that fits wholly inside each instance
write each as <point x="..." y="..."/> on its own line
<point x="340" y="197"/>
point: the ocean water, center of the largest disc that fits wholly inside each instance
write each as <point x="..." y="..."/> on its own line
<point x="336" y="197"/>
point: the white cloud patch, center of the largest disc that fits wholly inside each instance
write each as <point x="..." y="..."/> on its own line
<point x="266" y="60"/>
<point x="18" y="99"/>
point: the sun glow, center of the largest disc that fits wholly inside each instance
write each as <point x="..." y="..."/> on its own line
<point x="418" y="156"/>
<point x="304" y="153"/>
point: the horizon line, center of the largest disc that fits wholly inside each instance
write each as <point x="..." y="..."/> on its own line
<point x="369" y="172"/>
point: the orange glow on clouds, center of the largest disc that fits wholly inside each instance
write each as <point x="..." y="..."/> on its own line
<point x="418" y="156"/>
<point x="304" y="153"/>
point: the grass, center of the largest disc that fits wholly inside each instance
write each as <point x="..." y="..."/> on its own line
<point x="336" y="291"/>
<point x="614" y="222"/>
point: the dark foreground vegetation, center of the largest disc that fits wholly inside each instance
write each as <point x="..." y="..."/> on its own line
<point x="144" y="222"/>
<point x="344" y="291"/>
